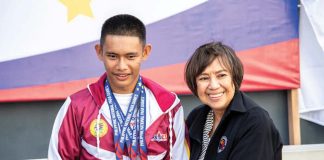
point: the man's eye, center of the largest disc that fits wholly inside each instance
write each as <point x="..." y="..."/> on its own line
<point x="132" y="56"/>
<point x="111" y="56"/>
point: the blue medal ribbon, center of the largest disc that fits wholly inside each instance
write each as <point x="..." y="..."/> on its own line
<point x="133" y="136"/>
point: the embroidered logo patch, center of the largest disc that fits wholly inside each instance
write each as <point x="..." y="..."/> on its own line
<point x="222" y="144"/>
<point x="159" y="137"/>
<point x="103" y="128"/>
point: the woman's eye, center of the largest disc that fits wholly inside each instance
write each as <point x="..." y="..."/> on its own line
<point x="203" y="78"/>
<point x="222" y="75"/>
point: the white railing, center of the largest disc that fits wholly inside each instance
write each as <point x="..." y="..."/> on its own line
<point x="303" y="152"/>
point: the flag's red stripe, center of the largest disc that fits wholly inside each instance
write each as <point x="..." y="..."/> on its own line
<point x="272" y="67"/>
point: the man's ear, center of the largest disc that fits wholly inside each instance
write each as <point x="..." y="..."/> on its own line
<point x="147" y="51"/>
<point x="98" y="49"/>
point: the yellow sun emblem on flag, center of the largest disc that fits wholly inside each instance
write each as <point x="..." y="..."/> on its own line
<point x="77" y="7"/>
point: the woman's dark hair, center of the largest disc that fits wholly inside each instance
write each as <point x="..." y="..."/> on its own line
<point x="205" y="55"/>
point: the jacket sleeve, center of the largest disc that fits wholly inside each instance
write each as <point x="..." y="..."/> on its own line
<point x="65" y="139"/>
<point x="180" y="149"/>
<point x="258" y="140"/>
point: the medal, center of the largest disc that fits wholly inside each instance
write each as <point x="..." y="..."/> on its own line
<point x="129" y="129"/>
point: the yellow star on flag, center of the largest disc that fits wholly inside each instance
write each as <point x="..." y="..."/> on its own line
<point x="77" y="7"/>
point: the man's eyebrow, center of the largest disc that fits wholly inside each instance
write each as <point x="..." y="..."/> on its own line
<point x="132" y="53"/>
<point x="108" y="52"/>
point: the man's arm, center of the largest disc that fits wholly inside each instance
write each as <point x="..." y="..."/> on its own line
<point x="65" y="139"/>
<point x="180" y="148"/>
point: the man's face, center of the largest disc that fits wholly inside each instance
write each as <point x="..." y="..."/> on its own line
<point x="122" y="57"/>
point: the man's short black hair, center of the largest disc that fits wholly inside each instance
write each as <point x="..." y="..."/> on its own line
<point x="124" y="25"/>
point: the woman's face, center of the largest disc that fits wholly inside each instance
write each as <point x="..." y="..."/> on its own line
<point x="215" y="86"/>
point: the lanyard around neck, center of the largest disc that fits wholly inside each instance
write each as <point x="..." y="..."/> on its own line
<point x="129" y="128"/>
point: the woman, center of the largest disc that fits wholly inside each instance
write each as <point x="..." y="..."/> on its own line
<point x="229" y="125"/>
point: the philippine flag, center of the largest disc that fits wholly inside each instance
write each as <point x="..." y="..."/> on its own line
<point x="47" y="47"/>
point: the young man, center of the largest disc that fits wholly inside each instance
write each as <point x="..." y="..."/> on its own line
<point x="123" y="115"/>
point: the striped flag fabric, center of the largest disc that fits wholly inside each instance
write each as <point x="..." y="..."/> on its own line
<point x="47" y="47"/>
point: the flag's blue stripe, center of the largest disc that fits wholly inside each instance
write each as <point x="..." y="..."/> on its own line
<point x="241" y="24"/>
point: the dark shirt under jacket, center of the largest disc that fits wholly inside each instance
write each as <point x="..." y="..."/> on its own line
<point x="246" y="130"/>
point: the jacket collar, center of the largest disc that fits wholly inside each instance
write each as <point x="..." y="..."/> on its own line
<point x="197" y="126"/>
<point x="236" y="105"/>
<point x="97" y="90"/>
<point x="164" y="98"/>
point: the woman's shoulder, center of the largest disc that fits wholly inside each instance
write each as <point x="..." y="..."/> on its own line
<point x="194" y="113"/>
<point x="258" y="114"/>
<point x="258" y="121"/>
<point x="254" y="112"/>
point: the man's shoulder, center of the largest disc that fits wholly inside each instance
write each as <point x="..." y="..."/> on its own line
<point x="93" y="92"/>
<point x="81" y="96"/>
<point x="154" y="86"/>
<point x="164" y="98"/>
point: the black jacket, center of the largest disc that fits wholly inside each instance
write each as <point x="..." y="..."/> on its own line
<point x="246" y="130"/>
